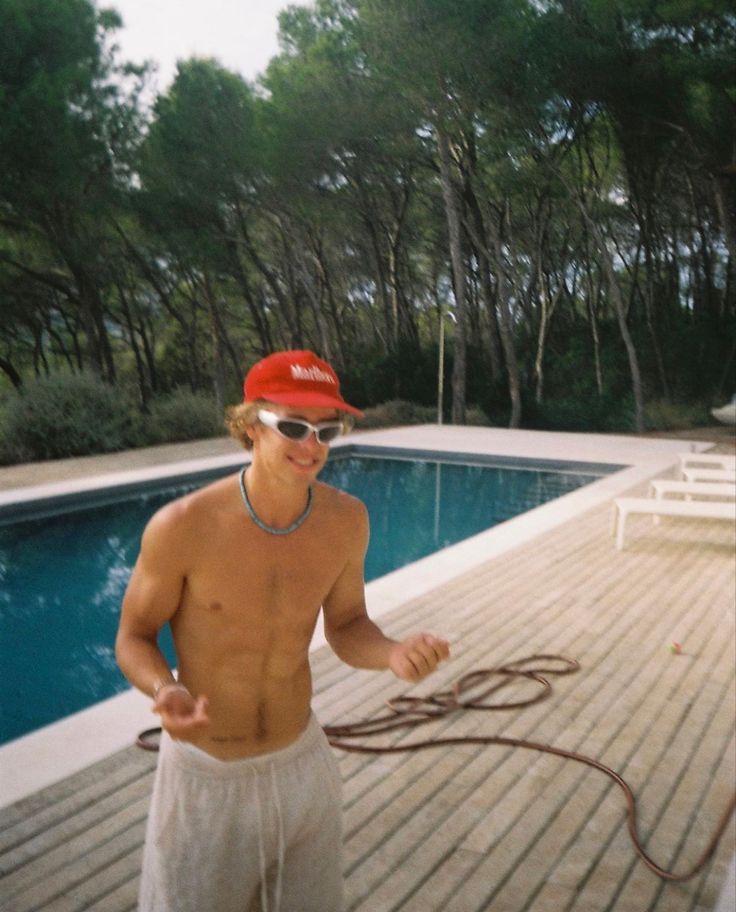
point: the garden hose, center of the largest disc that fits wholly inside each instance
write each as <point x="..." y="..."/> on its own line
<point x="411" y="712"/>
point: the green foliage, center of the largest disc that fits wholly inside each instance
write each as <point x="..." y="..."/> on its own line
<point x="76" y="415"/>
<point x="49" y="56"/>
<point x="199" y="152"/>
<point x="590" y="150"/>
<point x="665" y="415"/>
<point x="395" y="413"/>
<point x="62" y="415"/>
<point x="584" y="413"/>
<point x="476" y="417"/>
<point x="409" y="374"/>
<point x="181" y="415"/>
<point x="399" y="412"/>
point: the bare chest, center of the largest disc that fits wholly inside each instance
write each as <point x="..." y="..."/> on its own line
<point x="248" y="587"/>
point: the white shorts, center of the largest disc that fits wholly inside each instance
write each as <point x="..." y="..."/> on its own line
<point x="261" y="833"/>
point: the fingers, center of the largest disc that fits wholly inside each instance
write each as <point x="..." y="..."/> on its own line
<point x="182" y="719"/>
<point x="174" y="699"/>
<point x="440" y="647"/>
<point x="418" y="656"/>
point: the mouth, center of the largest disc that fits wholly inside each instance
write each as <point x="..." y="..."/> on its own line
<point x="303" y="462"/>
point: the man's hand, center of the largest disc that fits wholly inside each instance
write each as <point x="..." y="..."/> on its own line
<point x="181" y="715"/>
<point x="417" y="656"/>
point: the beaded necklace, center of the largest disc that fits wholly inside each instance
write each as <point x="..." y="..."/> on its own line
<point x="264" y="526"/>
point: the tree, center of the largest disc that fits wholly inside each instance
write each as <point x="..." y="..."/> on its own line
<point x="66" y="137"/>
<point x="197" y="172"/>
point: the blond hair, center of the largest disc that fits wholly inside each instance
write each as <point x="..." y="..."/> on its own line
<point x="240" y="418"/>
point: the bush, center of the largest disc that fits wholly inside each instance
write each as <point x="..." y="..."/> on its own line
<point x="397" y="412"/>
<point x="62" y="415"/>
<point x="663" y="415"/>
<point x="589" y="413"/>
<point x="181" y="415"/>
<point x="476" y="417"/>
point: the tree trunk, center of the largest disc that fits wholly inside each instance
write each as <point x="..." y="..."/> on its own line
<point x="260" y="320"/>
<point x="143" y="385"/>
<point x="593" y="297"/>
<point x="652" y="322"/>
<point x="390" y="328"/>
<point x="148" y="351"/>
<point x="458" y="270"/>
<point x="98" y="341"/>
<point x="11" y="373"/>
<point x="506" y="329"/>
<point x="486" y="296"/>
<point x="614" y="290"/>
<point x="548" y="308"/>
<point x="337" y="324"/>
<point x="218" y="373"/>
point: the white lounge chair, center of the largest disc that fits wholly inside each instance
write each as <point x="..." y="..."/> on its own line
<point x="722" y="461"/>
<point x="692" y="490"/>
<point x="710" y="475"/>
<point x="656" y="507"/>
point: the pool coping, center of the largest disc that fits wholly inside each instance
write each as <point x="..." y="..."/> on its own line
<point x="52" y="753"/>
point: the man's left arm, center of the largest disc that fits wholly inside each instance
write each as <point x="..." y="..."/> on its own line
<point x="358" y="641"/>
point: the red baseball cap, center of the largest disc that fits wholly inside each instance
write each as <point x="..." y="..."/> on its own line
<point x="296" y="378"/>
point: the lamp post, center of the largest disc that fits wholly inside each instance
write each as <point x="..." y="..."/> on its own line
<point x="441" y="366"/>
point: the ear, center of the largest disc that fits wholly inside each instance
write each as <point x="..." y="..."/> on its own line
<point x="253" y="431"/>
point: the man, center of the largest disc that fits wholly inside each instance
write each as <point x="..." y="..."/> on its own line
<point x="245" y="812"/>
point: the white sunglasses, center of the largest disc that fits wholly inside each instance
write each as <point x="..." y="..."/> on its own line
<point x="297" y="429"/>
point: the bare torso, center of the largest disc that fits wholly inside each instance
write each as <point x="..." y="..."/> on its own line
<point x="247" y="612"/>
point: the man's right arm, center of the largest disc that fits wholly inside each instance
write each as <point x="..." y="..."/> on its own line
<point x="151" y="599"/>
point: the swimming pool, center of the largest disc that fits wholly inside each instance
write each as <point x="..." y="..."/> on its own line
<point x="62" y="577"/>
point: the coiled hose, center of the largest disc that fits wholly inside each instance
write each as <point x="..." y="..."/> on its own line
<point x="411" y="712"/>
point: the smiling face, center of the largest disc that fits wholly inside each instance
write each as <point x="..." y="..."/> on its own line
<point x="292" y="460"/>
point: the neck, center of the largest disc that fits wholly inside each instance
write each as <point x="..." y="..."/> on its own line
<point x="275" y="503"/>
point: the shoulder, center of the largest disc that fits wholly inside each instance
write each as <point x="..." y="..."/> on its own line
<point x="340" y="504"/>
<point x="184" y="519"/>
<point x="343" y="519"/>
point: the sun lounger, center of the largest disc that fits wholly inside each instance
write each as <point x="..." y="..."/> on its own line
<point x="710" y="475"/>
<point x="706" y="461"/>
<point x="692" y="509"/>
<point x="692" y="490"/>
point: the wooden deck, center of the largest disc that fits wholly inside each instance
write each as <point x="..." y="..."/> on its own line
<point x="464" y="829"/>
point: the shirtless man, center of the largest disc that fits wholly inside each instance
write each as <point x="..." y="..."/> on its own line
<point x="246" y="806"/>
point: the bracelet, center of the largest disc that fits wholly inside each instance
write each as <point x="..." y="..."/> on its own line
<point x="160" y="684"/>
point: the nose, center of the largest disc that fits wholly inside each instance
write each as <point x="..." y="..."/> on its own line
<point x="311" y="443"/>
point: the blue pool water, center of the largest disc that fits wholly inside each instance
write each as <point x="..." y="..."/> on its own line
<point x="62" y="578"/>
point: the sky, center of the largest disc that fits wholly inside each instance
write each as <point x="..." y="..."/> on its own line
<point x="241" y="34"/>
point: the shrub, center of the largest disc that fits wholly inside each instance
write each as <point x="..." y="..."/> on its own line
<point x="62" y="415"/>
<point x="476" y="417"/>
<point x="397" y="412"/>
<point x="591" y="413"/>
<point x="7" y="452"/>
<point x="663" y="415"/>
<point x="181" y="415"/>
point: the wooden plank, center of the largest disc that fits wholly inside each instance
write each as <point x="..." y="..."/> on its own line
<point x="64" y="868"/>
<point x="47" y="826"/>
